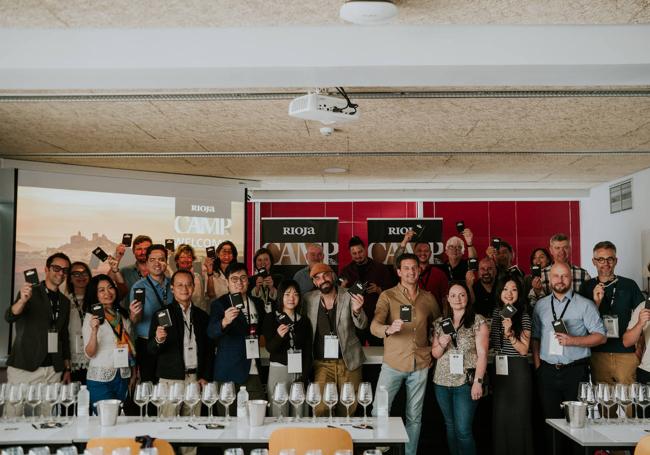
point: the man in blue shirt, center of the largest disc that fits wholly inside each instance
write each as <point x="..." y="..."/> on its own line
<point x="562" y="359"/>
<point x="157" y="295"/>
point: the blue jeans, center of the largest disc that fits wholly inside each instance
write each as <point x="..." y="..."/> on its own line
<point x="416" y="384"/>
<point x="458" y="410"/>
<point x="115" y="389"/>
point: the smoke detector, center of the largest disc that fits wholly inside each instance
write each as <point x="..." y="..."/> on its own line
<point x="368" y="12"/>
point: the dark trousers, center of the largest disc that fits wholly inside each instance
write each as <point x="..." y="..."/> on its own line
<point x="146" y="362"/>
<point x="558" y="385"/>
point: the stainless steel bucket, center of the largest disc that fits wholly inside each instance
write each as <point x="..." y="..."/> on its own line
<point x="108" y="411"/>
<point x="256" y="412"/>
<point x="575" y="413"/>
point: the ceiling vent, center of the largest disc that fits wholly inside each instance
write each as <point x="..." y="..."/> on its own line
<point x="368" y="12"/>
<point x="620" y="197"/>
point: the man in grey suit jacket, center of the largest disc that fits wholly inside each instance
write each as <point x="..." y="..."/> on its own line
<point x="334" y="313"/>
<point x="40" y="314"/>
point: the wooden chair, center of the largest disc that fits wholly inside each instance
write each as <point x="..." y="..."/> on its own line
<point x="643" y="446"/>
<point x="109" y="444"/>
<point x="329" y="440"/>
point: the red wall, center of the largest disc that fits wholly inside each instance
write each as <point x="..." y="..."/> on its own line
<point x="525" y="225"/>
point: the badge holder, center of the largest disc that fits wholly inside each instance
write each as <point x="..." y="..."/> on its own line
<point x="190" y="357"/>
<point x="331" y="347"/>
<point x="501" y="362"/>
<point x="252" y="347"/>
<point x="456" y="365"/>
<point x="554" y="346"/>
<point x="121" y="356"/>
<point x="52" y="341"/>
<point x="611" y="326"/>
<point x="294" y="361"/>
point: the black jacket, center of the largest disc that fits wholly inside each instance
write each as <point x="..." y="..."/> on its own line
<point x="170" y="364"/>
<point x="278" y="346"/>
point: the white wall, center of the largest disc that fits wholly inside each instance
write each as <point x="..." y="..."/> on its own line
<point x="629" y="230"/>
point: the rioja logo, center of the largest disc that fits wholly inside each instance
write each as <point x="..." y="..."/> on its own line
<point x="203" y="208"/>
<point x="298" y="230"/>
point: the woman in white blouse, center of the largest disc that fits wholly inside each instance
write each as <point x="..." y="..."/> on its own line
<point x="110" y="345"/>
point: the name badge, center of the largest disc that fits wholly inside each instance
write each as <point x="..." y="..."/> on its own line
<point x="52" y="342"/>
<point x="252" y="347"/>
<point x="294" y="361"/>
<point x="189" y="356"/>
<point x="331" y="347"/>
<point x="611" y="326"/>
<point x="502" y="365"/>
<point x="121" y="357"/>
<point x="456" y="363"/>
<point x="554" y="346"/>
<point x="78" y="343"/>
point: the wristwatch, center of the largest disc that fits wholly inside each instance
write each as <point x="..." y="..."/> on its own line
<point x="479" y="380"/>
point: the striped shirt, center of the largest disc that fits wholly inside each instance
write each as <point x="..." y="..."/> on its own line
<point x="498" y="341"/>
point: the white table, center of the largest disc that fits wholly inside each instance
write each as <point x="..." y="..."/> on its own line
<point x="603" y="436"/>
<point x="183" y="432"/>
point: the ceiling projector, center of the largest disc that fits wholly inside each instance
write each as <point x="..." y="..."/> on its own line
<point x="368" y="12"/>
<point x="321" y="108"/>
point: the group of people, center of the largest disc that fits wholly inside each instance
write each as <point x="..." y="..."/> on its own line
<point x="143" y="322"/>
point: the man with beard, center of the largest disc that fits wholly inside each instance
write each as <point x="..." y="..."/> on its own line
<point x="560" y="249"/>
<point x="314" y="255"/>
<point x="431" y="277"/>
<point x="157" y="294"/>
<point x="334" y="314"/>
<point x="376" y="275"/>
<point x="482" y="291"/>
<point x="134" y="272"/>
<point x="616" y="298"/>
<point x="565" y="326"/>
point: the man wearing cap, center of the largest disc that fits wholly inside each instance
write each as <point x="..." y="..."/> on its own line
<point x="334" y="314"/>
<point x="314" y="255"/>
<point x="366" y="270"/>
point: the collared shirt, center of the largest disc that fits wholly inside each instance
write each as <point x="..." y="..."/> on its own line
<point x="409" y="349"/>
<point x="189" y="337"/>
<point x="578" y="274"/>
<point x="645" y="360"/>
<point x="621" y="298"/>
<point x="581" y="318"/>
<point x="155" y="297"/>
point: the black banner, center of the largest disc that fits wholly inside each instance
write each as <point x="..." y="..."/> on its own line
<point x="386" y="234"/>
<point x="288" y="239"/>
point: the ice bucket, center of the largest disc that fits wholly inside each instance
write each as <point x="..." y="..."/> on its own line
<point x="575" y="413"/>
<point x="256" y="412"/>
<point x="108" y="411"/>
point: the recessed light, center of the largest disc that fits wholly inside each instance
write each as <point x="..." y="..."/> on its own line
<point x="368" y="12"/>
<point x="335" y="170"/>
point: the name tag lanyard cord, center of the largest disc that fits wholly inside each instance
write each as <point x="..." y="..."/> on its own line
<point x="54" y="306"/>
<point x="553" y="308"/>
<point x="161" y="300"/>
<point x="329" y="320"/>
<point x="613" y="299"/>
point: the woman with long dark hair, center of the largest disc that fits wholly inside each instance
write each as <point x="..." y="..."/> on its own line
<point x="461" y="366"/>
<point x="512" y="383"/>
<point x="265" y="280"/>
<point x="110" y="345"/>
<point x="226" y="254"/>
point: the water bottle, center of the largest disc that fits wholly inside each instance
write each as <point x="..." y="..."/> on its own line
<point x="83" y="403"/>
<point x="382" y="403"/>
<point x="242" y="405"/>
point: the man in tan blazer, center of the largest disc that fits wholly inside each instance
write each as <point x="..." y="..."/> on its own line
<point x="334" y="314"/>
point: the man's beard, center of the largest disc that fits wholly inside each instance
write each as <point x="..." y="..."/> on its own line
<point x="326" y="287"/>
<point x="487" y="279"/>
<point x="559" y="288"/>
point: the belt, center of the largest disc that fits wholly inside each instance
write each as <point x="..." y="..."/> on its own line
<point x="560" y="366"/>
<point x="190" y="371"/>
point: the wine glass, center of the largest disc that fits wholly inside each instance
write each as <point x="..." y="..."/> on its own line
<point x="159" y="397"/>
<point x="623" y="399"/>
<point x="280" y="397"/>
<point x="140" y="398"/>
<point x="606" y="397"/>
<point x="34" y="398"/>
<point x="330" y="397"/>
<point x="586" y="395"/>
<point x="209" y="397"/>
<point x="643" y="399"/>
<point x="313" y="398"/>
<point x="147" y="392"/>
<point x="347" y="398"/>
<point x="227" y="397"/>
<point x="16" y="397"/>
<point x="68" y="398"/>
<point x="192" y="397"/>
<point x="176" y="396"/>
<point x="3" y="392"/>
<point x="634" y="392"/>
<point x="297" y="397"/>
<point x="364" y="397"/>
<point x="52" y="396"/>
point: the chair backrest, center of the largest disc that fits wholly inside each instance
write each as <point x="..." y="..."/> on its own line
<point x="643" y="446"/>
<point x="109" y="444"/>
<point x="329" y="440"/>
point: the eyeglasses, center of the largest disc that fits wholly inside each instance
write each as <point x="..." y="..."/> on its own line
<point x="157" y="259"/>
<point x="609" y="260"/>
<point x="58" y="268"/>
<point x="238" y="279"/>
<point x="80" y="274"/>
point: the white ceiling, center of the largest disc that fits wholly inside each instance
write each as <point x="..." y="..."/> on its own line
<point x="426" y="139"/>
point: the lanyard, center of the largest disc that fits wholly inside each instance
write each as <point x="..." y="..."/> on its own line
<point x="327" y="314"/>
<point x="78" y="306"/>
<point x="252" y="328"/>
<point x="292" y="342"/>
<point x="119" y="325"/>
<point x="161" y="300"/>
<point x="54" y="306"/>
<point x="190" y="325"/>
<point x="553" y="307"/>
<point x="614" y="282"/>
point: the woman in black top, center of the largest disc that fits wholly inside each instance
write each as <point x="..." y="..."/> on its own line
<point x="288" y="340"/>
<point x="510" y="339"/>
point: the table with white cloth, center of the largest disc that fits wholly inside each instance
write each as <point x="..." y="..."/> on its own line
<point x="599" y="436"/>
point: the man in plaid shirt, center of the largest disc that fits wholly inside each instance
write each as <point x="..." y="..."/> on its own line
<point x="560" y="249"/>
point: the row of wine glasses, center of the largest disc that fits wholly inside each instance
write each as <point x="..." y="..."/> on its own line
<point x="615" y="398"/>
<point x="30" y="396"/>
<point x="330" y="397"/>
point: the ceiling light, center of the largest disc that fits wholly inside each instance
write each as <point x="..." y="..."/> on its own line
<point x="335" y="170"/>
<point x="368" y="12"/>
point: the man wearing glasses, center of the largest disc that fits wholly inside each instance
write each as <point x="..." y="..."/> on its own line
<point x="235" y="325"/>
<point x="616" y="298"/>
<point x="41" y="349"/>
<point x="157" y="295"/>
